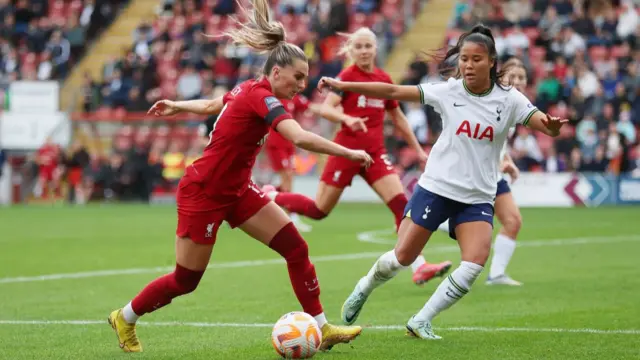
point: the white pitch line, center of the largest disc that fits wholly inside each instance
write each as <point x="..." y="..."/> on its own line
<point x="373" y="327"/>
<point x="315" y="259"/>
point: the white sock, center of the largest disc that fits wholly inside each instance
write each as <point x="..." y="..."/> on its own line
<point x="382" y="271"/>
<point x="321" y="320"/>
<point x="450" y="290"/>
<point x="503" y="249"/>
<point x="420" y="260"/>
<point x="294" y="217"/>
<point x="444" y="226"/>
<point x="128" y="314"/>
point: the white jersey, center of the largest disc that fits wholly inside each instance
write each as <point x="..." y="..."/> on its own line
<point x="464" y="163"/>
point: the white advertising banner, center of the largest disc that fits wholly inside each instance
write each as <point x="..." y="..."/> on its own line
<point x="34" y="96"/>
<point x="25" y="131"/>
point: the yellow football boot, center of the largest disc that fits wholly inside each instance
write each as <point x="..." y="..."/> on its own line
<point x="126" y="332"/>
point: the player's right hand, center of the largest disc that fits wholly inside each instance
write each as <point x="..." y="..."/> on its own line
<point x="360" y="156"/>
<point x="329" y="83"/>
<point x="356" y="123"/>
<point x="164" y="108"/>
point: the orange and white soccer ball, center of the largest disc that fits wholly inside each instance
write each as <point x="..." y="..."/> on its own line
<point x="296" y="336"/>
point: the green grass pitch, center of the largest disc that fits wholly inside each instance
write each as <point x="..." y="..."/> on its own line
<point x="579" y="266"/>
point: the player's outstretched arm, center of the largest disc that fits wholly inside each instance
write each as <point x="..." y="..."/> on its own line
<point x="546" y="123"/>
<point x="291" y="130"/>
<point x="329" y="110"/>
<point x="202" y="107"/>
<point x="378" y="90"/>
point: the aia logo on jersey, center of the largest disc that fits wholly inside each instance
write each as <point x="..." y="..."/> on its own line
<point x="476" y="132"/>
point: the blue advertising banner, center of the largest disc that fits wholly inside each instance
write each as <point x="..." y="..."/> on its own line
<point x="628" y="190"/>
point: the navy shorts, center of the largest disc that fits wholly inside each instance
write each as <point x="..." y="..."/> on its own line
<point x="503" y="187"/>
<point x="429" y="210"/>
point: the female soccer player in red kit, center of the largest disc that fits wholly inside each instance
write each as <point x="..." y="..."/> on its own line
<point x="362" y="128"/>
<point x="217" y="187"/>
<point x="281" y="151"/>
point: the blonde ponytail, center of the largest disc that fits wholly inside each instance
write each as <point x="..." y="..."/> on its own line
<point x="266" y="36"/>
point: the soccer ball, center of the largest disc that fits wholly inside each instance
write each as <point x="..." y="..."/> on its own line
<point x="296" y="335"/>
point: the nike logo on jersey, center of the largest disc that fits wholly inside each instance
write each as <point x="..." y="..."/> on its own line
<point x="484" y="213"/>
<point x="458" y="105"/>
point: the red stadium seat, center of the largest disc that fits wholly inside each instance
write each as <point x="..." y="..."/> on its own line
<point x="538" y="53"/>
<point x="597" y="53"/>
<point x="533" y="33"/>
<point x="76" y="6"/>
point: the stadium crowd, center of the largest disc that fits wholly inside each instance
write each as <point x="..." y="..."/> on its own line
<point x="41" y="39"/>
<point x="583" y="61"/>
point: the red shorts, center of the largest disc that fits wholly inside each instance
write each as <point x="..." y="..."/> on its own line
<point x="339" y="172"/>
<point x="281" y="158"/>
<point x="46" y="173"/>
<point x="74" y="176"/>
<point x="201" y="226"/>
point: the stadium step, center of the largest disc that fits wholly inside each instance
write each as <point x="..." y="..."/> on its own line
<point x="113" y="42"/>
<point x="427" y="34"/>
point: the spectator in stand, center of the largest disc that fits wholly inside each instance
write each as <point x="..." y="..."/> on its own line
<point x="596" y="163"/>
<point x="189" y="84"/>
<point x="75" y="34"/>
<point x="173" y="164"/>
<point x="60" y="50"/>
<point x="74" y="168"/>
<point x="45" y="68"/>
<point x="526" y="152"/>
<point x="628" y="21"/>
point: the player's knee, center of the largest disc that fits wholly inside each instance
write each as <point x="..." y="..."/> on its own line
<point x="405" y="257"/>
<point x="289" y="244"/>
<point x="186" y="281"/>
<point x="299" y="252"/>
<point x="478" y="256"/>
<point x="512" y="224"/>
<point x="316" y="213"/>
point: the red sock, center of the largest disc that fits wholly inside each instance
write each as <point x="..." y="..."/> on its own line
<point x="300" y="204"/>
<point x="162" y="290"/>
<point x="288" y="243"/>
<point x="397" y="205"/>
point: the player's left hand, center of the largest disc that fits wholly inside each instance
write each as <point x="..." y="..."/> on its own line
<point x="329" y="83"/>
<point x="360" y="156"/>
<point x="164" y="108"/>
<point x="422" y="158"/>
<point x="553" y="124"/>
<point x="510" y="168"/>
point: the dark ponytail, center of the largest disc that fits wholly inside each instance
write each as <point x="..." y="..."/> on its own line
<point x="482" y="35"/>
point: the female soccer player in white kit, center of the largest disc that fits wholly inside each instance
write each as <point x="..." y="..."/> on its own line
<point x="506" y="209"/>
<point x="459" y="181"/>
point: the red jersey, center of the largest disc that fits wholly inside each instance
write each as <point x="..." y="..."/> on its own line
<point x="358" y="105"/>
<point x="224" y="169"/>
<point x="295" y="106"/>
<point x="48" y="155"/>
